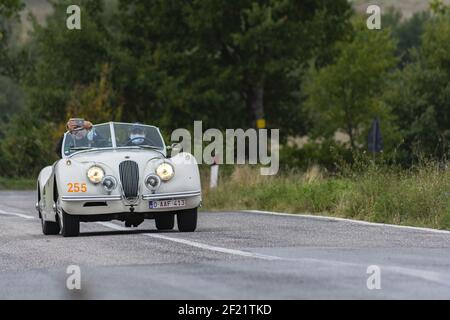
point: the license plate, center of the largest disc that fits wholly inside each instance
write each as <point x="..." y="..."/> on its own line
<point x="163" y="204"/>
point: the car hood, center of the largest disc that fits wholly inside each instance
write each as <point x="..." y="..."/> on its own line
<point x="112" y="158"/>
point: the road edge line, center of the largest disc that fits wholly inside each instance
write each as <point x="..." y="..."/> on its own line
<point x="17" y="215"/>
<point x="347" y="220"/>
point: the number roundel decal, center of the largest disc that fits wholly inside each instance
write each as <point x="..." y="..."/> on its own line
<point x="76" y="187"/>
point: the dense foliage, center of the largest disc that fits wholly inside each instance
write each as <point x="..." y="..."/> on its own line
<point x="310" y="68"/>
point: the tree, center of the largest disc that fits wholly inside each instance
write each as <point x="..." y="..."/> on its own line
<point x="26" y="148"/>
<point x="228" y="63"/>
<point x="419" y="96"/>
<point x="407" y="33"/>
<point x="67" y="68"/>
<point x="9" y="14"/>
<point x="94" y="101"/>
<point x="345" y="95"/>
<point x="11" y="99"/>
<point x="63" y="59"/>
<point x="170" y="62"/>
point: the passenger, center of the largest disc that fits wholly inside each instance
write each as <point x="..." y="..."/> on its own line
<point x="78" y="130"/>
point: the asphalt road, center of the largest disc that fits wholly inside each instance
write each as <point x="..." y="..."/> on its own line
<point x="233" y="255"/>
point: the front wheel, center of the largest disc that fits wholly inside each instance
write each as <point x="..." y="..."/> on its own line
<point x="187" y="220"/>
<point x="165" y="221"/>
<point x="70" y="226"/>
<point x="48" y="227"/>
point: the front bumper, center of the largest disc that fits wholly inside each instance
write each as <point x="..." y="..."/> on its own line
<point x="106" y="204"/>
<point x="154" y="196"/>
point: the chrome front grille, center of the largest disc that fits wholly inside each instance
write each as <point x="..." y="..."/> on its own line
<point x="129" y="177"/>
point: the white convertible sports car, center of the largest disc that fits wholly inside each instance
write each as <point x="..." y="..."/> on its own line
<point x="118" y="171"/>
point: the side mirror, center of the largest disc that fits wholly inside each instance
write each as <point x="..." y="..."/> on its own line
<point x="174" y="147"/>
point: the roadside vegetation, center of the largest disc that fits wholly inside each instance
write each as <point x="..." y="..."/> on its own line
<point x="419" y="196"/>
<point x="17" y="183"/>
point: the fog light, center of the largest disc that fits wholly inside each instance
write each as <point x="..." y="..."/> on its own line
<point x="152" y="182"/>
<point x="109" y="183"/>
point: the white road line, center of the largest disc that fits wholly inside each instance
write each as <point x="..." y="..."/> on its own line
<point x="17" y="214"/>
<point x="197" y="244"/>
<point x="214" y="248"/>
<point x="431" y="276"/>
<point x="347" y="220"/>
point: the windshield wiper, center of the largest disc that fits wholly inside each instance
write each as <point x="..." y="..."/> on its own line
<point x="146" y="146"/>
<point x="80" y="148"/>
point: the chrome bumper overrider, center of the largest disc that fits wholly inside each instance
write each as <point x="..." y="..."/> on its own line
<point x="155" y="196"/>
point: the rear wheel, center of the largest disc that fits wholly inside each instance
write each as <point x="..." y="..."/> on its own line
<point x="165" y="221"/>
<point x="187" y="220"/>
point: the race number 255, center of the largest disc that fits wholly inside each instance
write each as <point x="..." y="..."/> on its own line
<point x="76" y="187"/>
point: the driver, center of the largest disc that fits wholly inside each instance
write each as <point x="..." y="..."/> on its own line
<point x="136" y="135"/>
<point x="78" y="129"/>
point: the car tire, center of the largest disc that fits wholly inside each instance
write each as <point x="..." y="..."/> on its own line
<point x="70" y="225"/>
<point x="165" y="221"/>
<point x="187" y="220"/>
<point x="49" y="227"/>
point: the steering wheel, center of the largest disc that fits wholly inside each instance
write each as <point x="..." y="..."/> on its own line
<point x="146" y="140"/>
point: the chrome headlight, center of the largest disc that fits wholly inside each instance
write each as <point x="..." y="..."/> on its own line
<point x="165" y="171"/>
<point x="109" y="183"/>
<point x="95" y="174"/>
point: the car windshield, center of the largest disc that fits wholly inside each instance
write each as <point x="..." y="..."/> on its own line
<point x="98" y="137"/>
<point x="126" y="135"/>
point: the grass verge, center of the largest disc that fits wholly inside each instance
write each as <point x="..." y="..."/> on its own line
<point x="416" y="197"/>
<point x="17" y="183"/>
